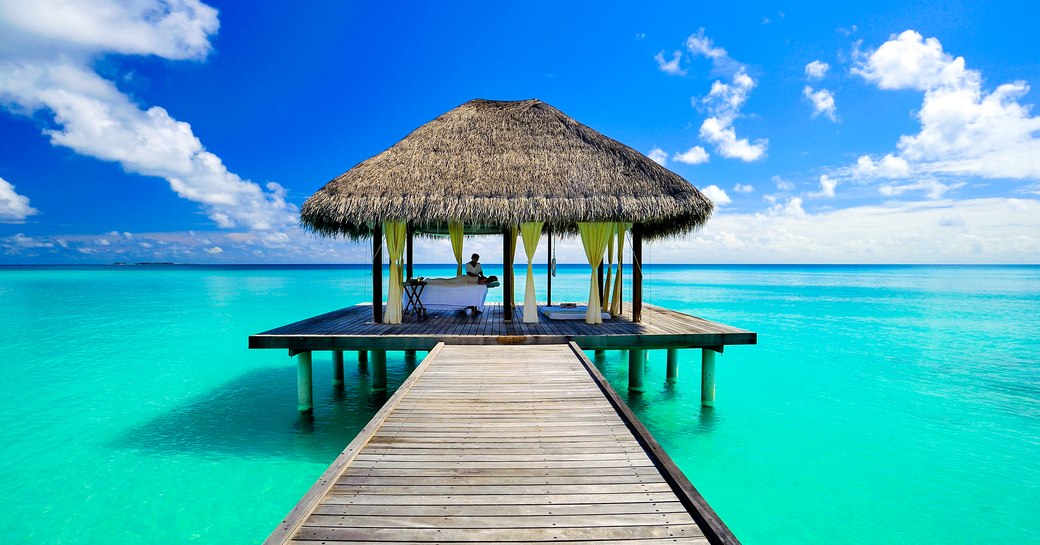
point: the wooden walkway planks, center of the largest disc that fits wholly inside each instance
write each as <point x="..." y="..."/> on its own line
<point x="351" y="328"/>
<point x="501" y="443"/>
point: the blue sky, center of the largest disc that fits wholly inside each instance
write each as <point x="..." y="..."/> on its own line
<point x="894" y="132"/>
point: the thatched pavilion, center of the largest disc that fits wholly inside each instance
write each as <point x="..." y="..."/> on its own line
<point x="499" y="167"/>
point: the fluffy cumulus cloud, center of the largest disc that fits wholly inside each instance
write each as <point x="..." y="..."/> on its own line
<point x="724" y="102"/>
<point x="173" y="29"/>
<point x="827" y="185"/>
<point x="744" y="188"/>
<point x="46" y="66"/>
<point x="699" y="44"/>
<point x="816" y="70"/>
<point x="822" y="101"/>
<point x="671" y="67"/>
<point x="716" y="194"/>
<point x="14" y="208"/>
<point x="693" y="156"/>
<point x="658" y="156"/>
<point x="965" y="129"/>
<point x="990" y="230"/>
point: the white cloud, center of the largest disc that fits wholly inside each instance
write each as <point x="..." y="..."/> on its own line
<point x="822" y="101"/>
<point x="716" y="194"/>
<point x="699" y="44"/>
<point x="782" y="184"/>
<point x="658" y="156"/>
<point x="888" y="166"/>
<point x="14" y="208"/>
<point x="790" y="209"/>
<point x="215" y="250"/>
<point x="995" y="230"/>
<point x="743" y="188"/>
<point x="671" y="67"/>
<point x="827" y="185"/>
<point x="964" y="129"/>
<point x="724" y="102"/>
<point x="816" y="70"/>
<point x="933" y="188"/>
<point x="693" y="156"/>
<point x="92" y="117"/>
<point x="23" y="241"/>
<point x="102" y="242"/>
<point x="172" y="29"/>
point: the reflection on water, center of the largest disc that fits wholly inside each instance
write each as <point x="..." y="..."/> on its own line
<point x="255" y="415"/>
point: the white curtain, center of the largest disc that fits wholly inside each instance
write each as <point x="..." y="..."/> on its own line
<point x="594" y="236"/>
<point x="530" y="232"/>
<point x="395" y="232"/>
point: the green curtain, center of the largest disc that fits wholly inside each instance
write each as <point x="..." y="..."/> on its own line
<point x="610" y="269"/>
<point x="615" y="301"/>
<point x="455" y="232"/>
<point x="530" y="231"/>
<point x="396" y="232"/>
<point x="594" y="236"/>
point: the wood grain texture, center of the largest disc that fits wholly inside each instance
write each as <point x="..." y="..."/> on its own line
<point x="495" y="443"/>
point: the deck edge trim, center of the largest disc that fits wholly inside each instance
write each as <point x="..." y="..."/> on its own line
<point x="715" y="530"/>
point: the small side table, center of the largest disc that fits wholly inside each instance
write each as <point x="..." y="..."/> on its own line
<point x="413" y="290"/>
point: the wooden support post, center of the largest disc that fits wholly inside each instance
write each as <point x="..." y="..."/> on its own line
<point x="410" y="268"/>
<point x="337" y="368"/>
<point x="619" y="277"/>
<point x="409" y="356"/>
<point x="636" y="366"/>
<point x="362" y="359"/>
<point x="379" y="370"/>
<point x="637" y="272"/>
<point x="708" y="377"/>
<point x="548" y="270"/>
<point x="507" y="274"/>
<point x="599" y="281"/>
<point x="304" y="383"/>
<point x="377" y="273"/>
<point x="601" y="357"/>
<point x="673" y="365"/>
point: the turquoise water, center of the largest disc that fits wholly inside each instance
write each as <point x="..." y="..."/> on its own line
<point x="882" y="404"/>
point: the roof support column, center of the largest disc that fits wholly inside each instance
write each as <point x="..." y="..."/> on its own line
<point x="599" y="280"/>
<point x="409" y="257"/>
<point x="637" y="272"/>
<point x="377" y="273"/>
<point x="507" y="273"/>
<point x="548" y="269"/>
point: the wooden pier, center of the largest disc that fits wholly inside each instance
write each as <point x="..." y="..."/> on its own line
<point x="352" y="328"/>
<point x="525" y="444"/>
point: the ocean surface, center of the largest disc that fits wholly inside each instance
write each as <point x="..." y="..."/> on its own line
<point x="883" y="404"/>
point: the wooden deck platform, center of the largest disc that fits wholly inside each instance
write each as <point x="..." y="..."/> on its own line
<point x="525" y="444"/>
<point x="352" y="328"/>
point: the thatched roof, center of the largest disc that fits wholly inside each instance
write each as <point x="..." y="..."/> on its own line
<point x="494" y="163"/>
